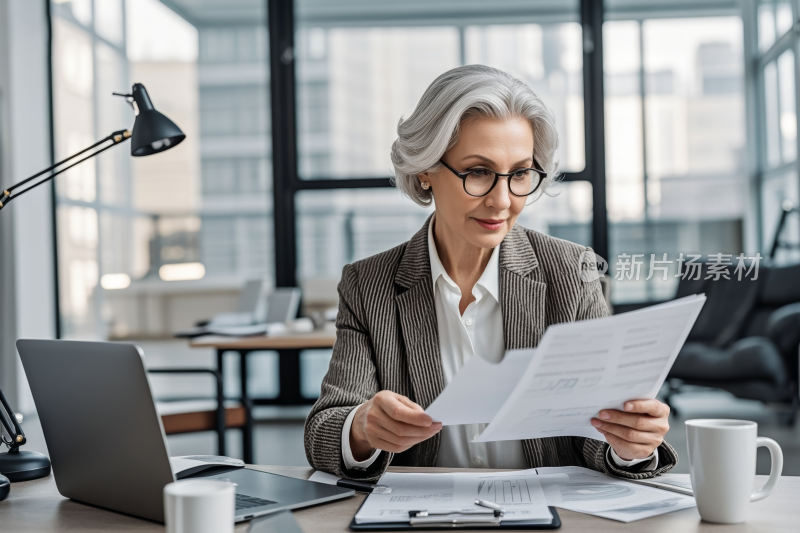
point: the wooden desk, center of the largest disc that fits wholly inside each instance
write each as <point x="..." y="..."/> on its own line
<point x="289" y="341"/>
<point x="288" y="347"/>
<point x="37" y="506"/>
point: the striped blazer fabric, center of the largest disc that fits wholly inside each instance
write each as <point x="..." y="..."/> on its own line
<point x="387" y="339"/>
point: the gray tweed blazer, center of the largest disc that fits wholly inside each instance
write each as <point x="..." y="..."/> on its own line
<point x="387" y="339"/>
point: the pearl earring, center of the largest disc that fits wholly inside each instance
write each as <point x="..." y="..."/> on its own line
<point x="426" y="185"/>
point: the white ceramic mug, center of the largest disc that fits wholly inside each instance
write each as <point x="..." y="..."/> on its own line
<point x="199" y="506"/>
<point x="722" y="464"/>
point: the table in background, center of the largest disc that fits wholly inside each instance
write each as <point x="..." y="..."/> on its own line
<point x="37" y="506"/>
<point x="288" y="347"/>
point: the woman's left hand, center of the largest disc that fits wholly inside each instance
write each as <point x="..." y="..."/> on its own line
<point x="637" y="431"/>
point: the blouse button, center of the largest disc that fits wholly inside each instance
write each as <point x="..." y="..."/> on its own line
<point x="468" y="322"/>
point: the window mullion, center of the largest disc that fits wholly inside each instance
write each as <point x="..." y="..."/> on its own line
<point x="795" y="40"/>
<point x="759" y="119"/>
<point x="782" y="44"/>
<point x="282" y="55"/>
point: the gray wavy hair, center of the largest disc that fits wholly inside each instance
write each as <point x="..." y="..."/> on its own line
<point x="455" y="96"/>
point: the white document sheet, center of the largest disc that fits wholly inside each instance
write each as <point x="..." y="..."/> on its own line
<point x="586" y="491"/>
<point x="519" y="492"/>
<point x="582" y="367"/>
<point x="479" y="389"/>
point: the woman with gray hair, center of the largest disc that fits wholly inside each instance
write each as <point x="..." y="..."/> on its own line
<point x="480" y="145"/>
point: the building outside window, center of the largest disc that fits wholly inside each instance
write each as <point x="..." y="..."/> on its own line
<point x="202" y="210"/>
<point x="675" y="138"/>
<point x="203" y="207"/>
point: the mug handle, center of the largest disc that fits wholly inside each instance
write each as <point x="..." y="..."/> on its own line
<point x="775" y="472"/>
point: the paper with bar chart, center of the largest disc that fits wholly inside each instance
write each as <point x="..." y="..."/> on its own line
<point x="586" y="491"/>
<point x="519" y="493"/>
<point x="508" y="490"/>
<point x="578" y="369"/>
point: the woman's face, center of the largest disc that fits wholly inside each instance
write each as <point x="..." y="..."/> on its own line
<point x="500" y="145"/>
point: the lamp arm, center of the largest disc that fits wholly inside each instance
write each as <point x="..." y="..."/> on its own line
<point x="116" y="138"/>
<point x="9" y="422"/>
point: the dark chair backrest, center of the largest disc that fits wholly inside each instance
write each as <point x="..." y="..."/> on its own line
<point x="768" y="306"/>
<point x="784" y="330"/>
<point x="740" y="308"/>
<point x="780" y="286"/>
<point x="729" y="303"/>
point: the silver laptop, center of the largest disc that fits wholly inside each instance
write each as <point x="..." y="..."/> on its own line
<point x="106" y="440"/>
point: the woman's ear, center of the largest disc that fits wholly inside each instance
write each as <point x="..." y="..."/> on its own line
<point x="424" y="180"/>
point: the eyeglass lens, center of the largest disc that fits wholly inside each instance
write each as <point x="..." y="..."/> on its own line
<point x="479" y="182"/>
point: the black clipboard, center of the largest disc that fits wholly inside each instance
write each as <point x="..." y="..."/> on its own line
<point x="405" y="526"/>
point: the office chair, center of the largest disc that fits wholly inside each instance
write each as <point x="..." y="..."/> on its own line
<point x="191" y="416"/>
<point x="747" y="338"/>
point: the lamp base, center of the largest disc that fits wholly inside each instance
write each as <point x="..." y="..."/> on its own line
<point x="24" y="466"/>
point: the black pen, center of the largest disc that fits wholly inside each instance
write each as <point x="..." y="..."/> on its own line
<point x="360" y="486"/>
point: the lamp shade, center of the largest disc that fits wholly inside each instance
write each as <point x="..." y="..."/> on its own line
<point x="152" y="131"/>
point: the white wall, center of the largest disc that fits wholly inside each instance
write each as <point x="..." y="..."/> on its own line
<point x="27" y="279"/>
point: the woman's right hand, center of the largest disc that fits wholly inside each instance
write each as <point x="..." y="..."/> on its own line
<point x="389" y="422"/>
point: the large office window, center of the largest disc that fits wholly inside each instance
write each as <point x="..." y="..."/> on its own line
<point x="356" y="77"/>
<point x="674" y="117"/>
<point x="675" y="137"/>
<point x="775" y="83"/>
<point x="149" y="245"/>
<point x="362" y="66"/>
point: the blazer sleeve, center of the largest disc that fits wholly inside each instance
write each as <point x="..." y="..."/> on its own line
<point x="593" y="305"/>
<point x="351" y="380"/>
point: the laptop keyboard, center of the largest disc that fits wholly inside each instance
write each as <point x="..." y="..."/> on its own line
<point x="244" y="501"/>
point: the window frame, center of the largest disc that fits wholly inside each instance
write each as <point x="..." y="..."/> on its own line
<point x="53" y="11"/>
<point x="757" y="61"/>
<point x="640" y="17"/>
<point x="287" y="182"/>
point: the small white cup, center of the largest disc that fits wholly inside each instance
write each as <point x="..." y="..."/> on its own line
<point x="199" y="506"/>
<point x="722" y="465"/>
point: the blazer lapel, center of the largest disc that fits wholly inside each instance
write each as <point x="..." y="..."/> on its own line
<point x="522" y="294"/>
<point x="417" y="317"/>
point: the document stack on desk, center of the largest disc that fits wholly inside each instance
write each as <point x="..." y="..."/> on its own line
<point x="523" y="496"/>
<point x="578" y="369"/>
<point x="418" y="499"/>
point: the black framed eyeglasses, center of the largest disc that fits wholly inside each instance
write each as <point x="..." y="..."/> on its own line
<point x="480" y="181"/>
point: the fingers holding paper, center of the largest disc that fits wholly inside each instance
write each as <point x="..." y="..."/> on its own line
<point x="637" y="431"/>
<point x="389" y="422"/>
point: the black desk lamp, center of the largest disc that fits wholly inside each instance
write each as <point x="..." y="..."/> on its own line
<point x="152" y="133"/>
